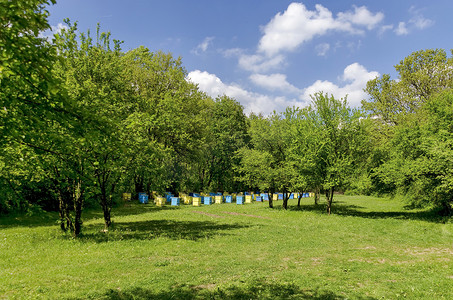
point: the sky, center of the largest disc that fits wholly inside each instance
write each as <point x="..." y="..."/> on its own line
<point x="272" y="54"/>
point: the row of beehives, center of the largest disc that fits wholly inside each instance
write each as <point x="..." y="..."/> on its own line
<point x="207" y="199"/>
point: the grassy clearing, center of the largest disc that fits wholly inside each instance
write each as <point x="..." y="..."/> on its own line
<point x="370" y="248"/>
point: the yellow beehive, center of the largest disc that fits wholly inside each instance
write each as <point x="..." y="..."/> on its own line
<point x="275" y="197"/>
<point x="218" y="199"/>
<point x="248" y="198"/>
<point x="160" y="201"/>
<point x="196" y="201"/>
<point x="296" y="195"/>
<point x="127" y="196"/>
<point x="187" y="199"/>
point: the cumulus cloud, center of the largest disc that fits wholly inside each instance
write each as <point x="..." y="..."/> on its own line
<point x="289" y="30"/>
<point x="297" y="25"/>
<point x="362" y="17"/>
<point x="354" y="79"/>
<point x="252" y="102"/>
<point x="274" y="82"/>
<point x="203" y="46"/>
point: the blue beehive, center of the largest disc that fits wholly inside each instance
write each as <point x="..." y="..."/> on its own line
<point x="228" y="199"/>
<point x="265" y="197"/>
<point x="280" y="197"/>
<point x="239" y="199"/>
<point x="259" y="199"/>
<point x="175" y="201"/>
<point x="168" y="196"/>
<point x="143" y="198"/>
<point x="291" y="196"/>
<point x="207" y="200"/>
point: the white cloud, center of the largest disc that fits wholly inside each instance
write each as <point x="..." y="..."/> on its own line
<point x="48" y="34"/>
<point x="297" y="25"/>
<point x="401" y="29"/>
<point x="385" y="28"/>
<point x="354" y="77"/>
<point x="274" y="82"/>
<point x="362" y="17"/>
<point x="260" y="63"/>
<point x="322" y="49"/>
<point x="204" y="45"/>
<point x="418" y="20"/>
<point x="252" y="102"/>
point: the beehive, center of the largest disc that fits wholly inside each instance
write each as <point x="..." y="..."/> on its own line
<point x="187" y="199"/>
<point x="248" y="198"/>
<point x="196" y="201"/>
<point x="218" y="199"/>
<point x="160" y="201"/>
<point x="228" y="198"/>
<point x="175" y="201"/>
<point x="239" y="199"/>
<point x="207" y="200"/>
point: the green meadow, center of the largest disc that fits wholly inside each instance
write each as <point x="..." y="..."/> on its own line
<point x="369" y="248"/>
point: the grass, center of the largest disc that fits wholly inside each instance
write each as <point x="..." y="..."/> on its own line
<point x="370" y="248"/>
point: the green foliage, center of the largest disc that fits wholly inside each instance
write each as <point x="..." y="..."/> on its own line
<point x="410" y="130"/>
<point x="421" y="74"/>
<point x="328" y="144"/>
<point x="229" y="130"/>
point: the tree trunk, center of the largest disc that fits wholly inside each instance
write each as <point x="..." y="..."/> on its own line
<point x="446" y="210"/>
<point x="317" y="195"/>
<point x="329" y="195"/>
<point x="78" y="205"/>
<point x="298" y="199"/>
<point x="271" y="196"/>
<point x="62" y="211"/>
<point x="285" y="200"/>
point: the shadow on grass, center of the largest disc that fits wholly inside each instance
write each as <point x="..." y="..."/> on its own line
<point x="41" y="218"/>
<point x="341" y="209"/>
<point x="146" y="230"/>
<point x="255" y="290"/>
<point x="38" y="219"/>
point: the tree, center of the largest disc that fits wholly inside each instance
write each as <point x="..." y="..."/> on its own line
<point x="421" y="74"/>
<point x="328" y="139"/>
<point x="228" y="126"/>
<point x="393" y="108"/>
<point x="265" y="163"/>
<point x="420" y="160"/>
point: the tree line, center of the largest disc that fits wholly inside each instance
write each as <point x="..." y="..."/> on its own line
<point x="83" y="121"/>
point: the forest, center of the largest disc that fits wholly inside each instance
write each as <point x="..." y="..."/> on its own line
<point x="83" y="121"/>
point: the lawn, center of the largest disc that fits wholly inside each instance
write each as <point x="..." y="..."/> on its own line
<point x="370" y="248"/>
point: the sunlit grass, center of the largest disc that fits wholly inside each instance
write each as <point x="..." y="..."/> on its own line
<point x="369" y="248"/>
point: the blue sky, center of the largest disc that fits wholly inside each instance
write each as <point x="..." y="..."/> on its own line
<point x="272" y="54"/>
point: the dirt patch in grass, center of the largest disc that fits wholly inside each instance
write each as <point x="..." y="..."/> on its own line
<point x="207" y="214"/>
<point x="209" y="286"/>
<point x="246" y="215"/>
<point x="428" y="251"/>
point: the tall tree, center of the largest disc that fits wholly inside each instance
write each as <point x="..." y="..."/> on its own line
<point x="327" y="143"/>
